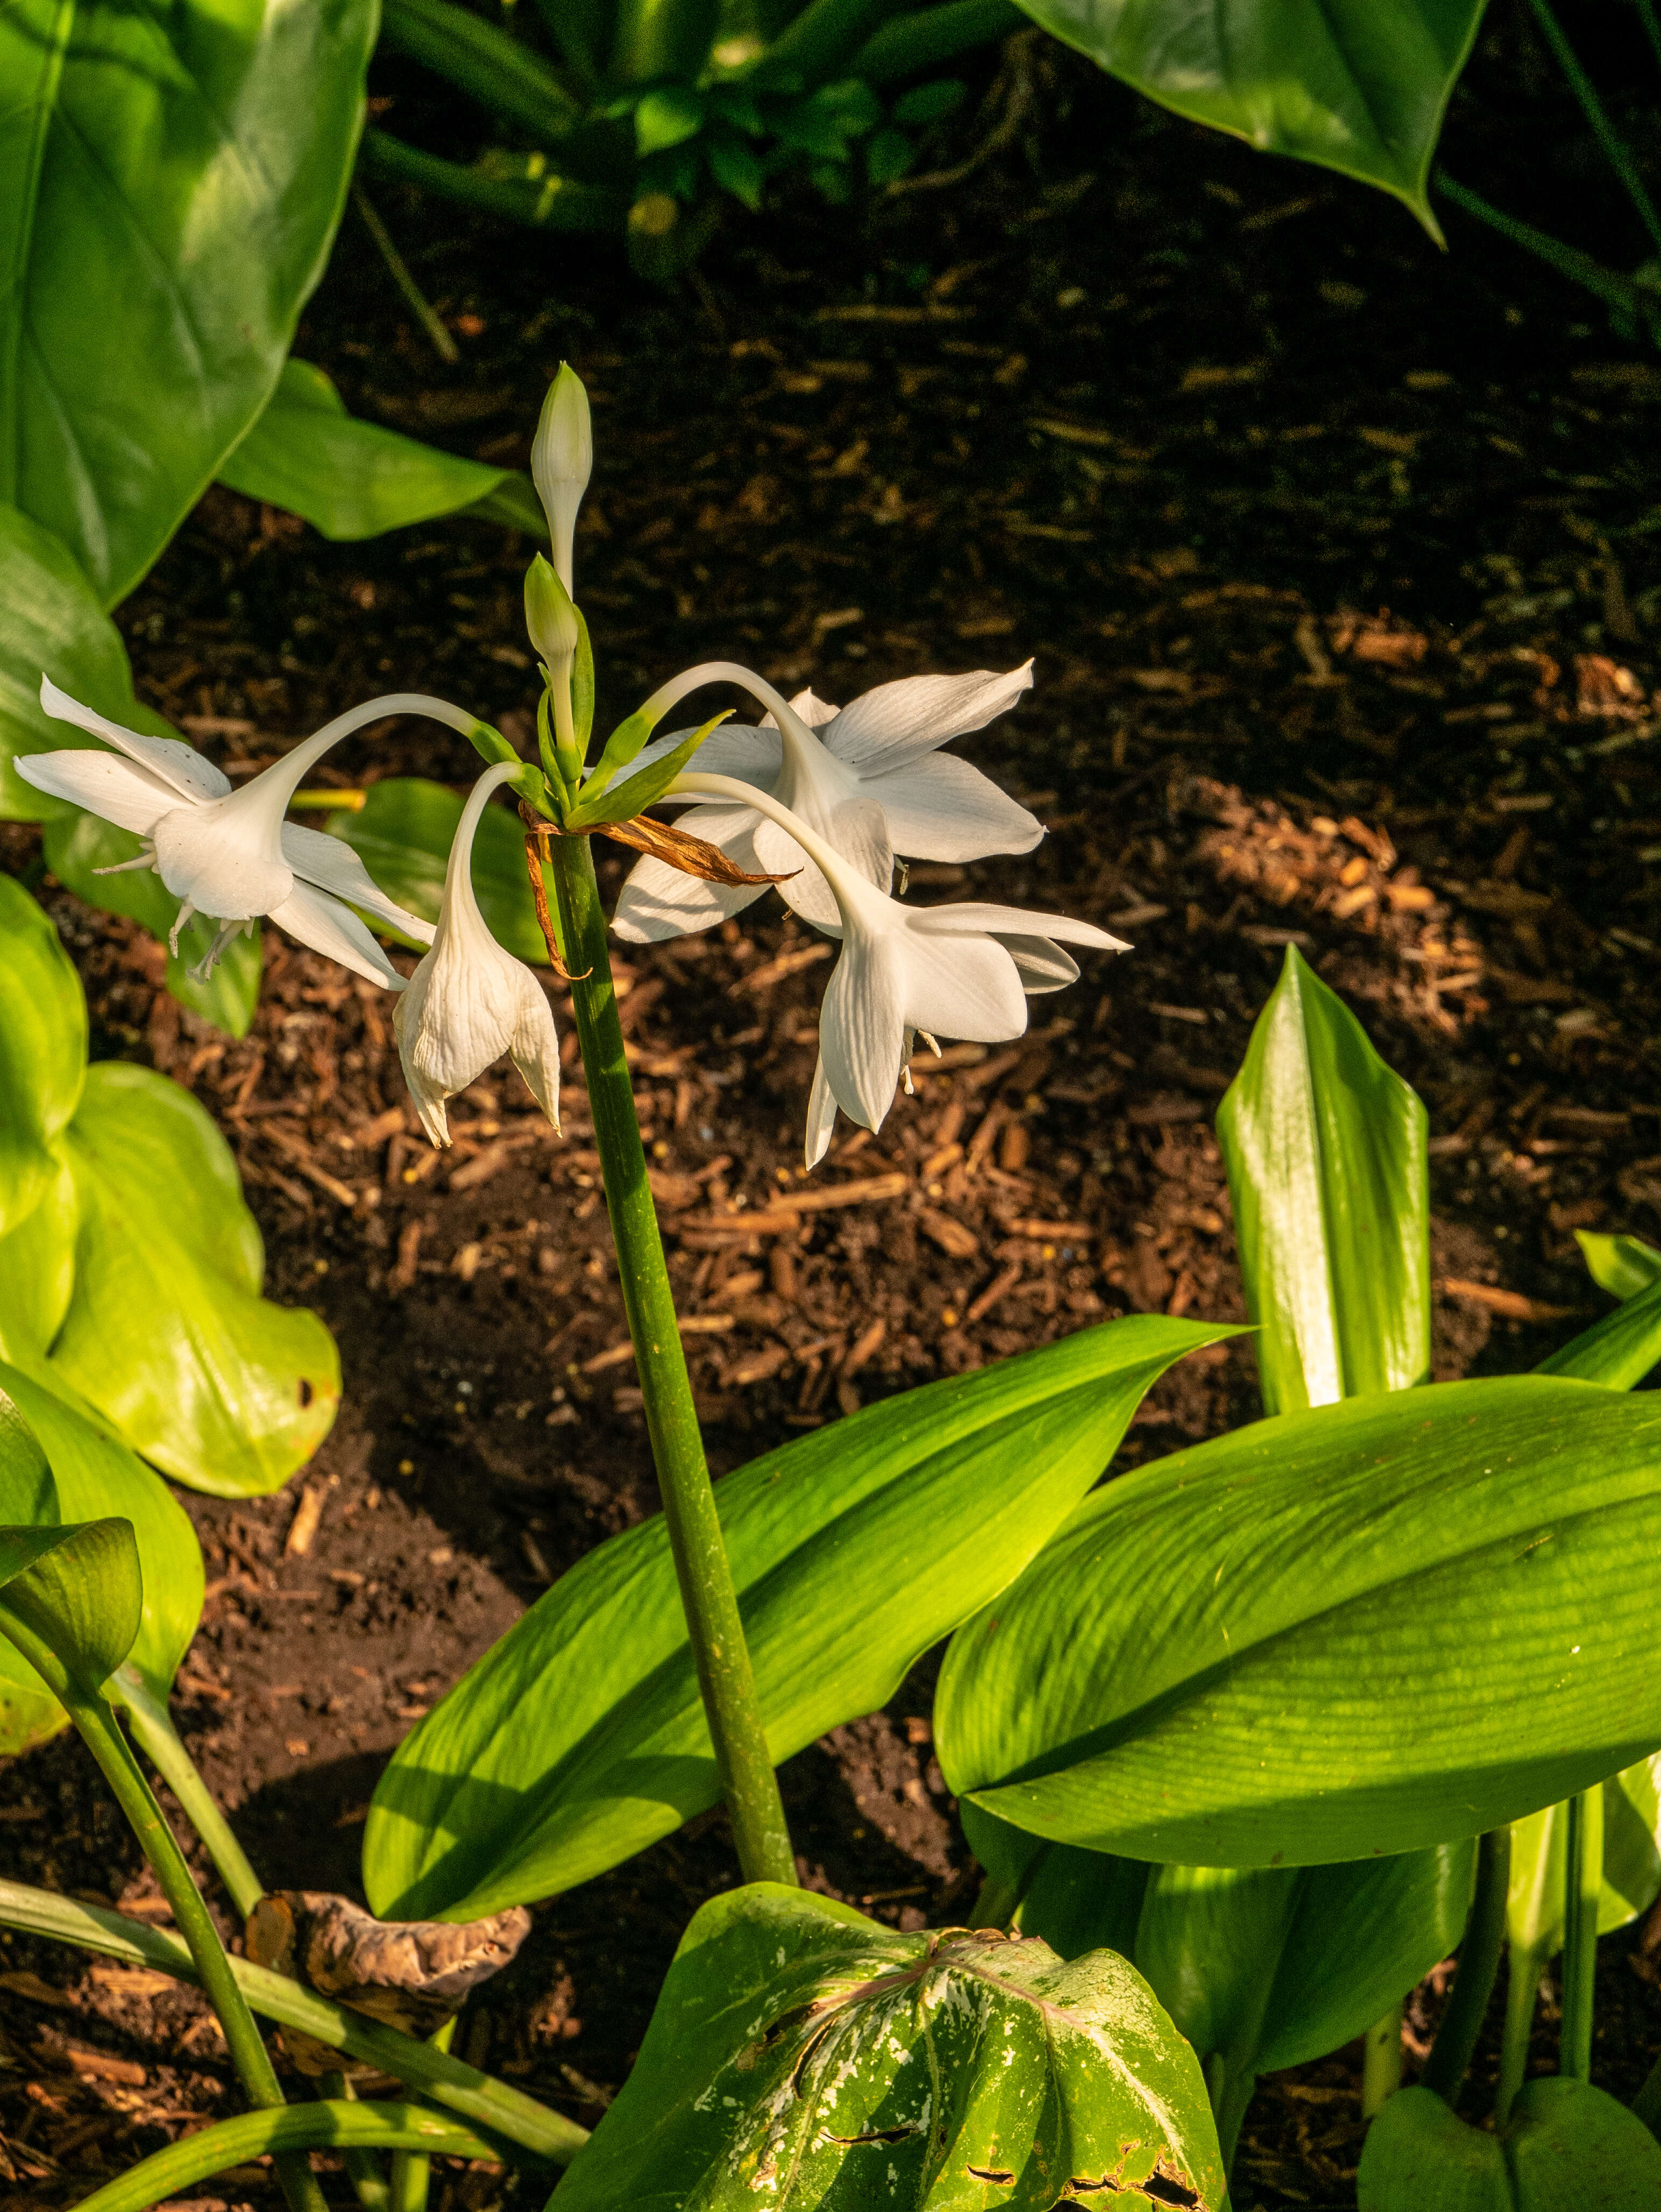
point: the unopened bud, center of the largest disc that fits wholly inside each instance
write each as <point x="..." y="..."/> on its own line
<point x="561" y="461"/>
<point x="550" y="618"/>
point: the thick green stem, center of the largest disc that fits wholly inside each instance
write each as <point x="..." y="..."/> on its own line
<point x="1381" y="2063"/>
<point x="546" y="201"/>
<point x="1479" y="1962"/>
<point x="363" y="2167"/>
<point x="158" y="1739"/>
<point x="412" y="2169"/>
<point x="291" y="2132"/>
<point x="1615" y="147"/>
<point x="1583" y="1890"/>
<point x="446" y="2081"/>
<point x="1525" y="1965"/>
<point x="104" y="1739"/>
<point x="713" y="1623"/>
<point x="1651" y="22"/>
<point x="1232" y="2089"/>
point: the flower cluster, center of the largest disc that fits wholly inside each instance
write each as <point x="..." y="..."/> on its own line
<point x="826" y="802"/>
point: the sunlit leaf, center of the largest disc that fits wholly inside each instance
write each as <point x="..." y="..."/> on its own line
<point x="43" y="1051"/>
<point x="1567" y="2143"/>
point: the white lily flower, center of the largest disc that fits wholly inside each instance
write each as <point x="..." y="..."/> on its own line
<point x="870" y="778"/>
<point x="229" y="853"/>
<point x="961" y="970"/>
<point x="561" y="462"/>
<point x="469" y="1001"/>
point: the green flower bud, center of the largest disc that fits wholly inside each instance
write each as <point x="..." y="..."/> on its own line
<point x="561" y="461"/>
<point x="551" y="620"/>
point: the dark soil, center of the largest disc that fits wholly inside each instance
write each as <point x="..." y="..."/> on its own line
<point x="1338" y="559"/>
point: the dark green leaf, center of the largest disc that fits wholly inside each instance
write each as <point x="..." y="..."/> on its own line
<point x="1355" y="87"/>
<point x="803" y="2051"/>
<point x="1328" y="1176"/>
<point x="579" y="1738"/>
<point x="737" y="169"/>
<point x="1623" y="1265"/>
<point x="1566" y="2144"/>
<point x="43" y="1051"/>
<point x="351" y="479"/>
<point x="403" y="833"/>
<point x="666" y="118"/>
<point x="165" y="213"/>
<point x="929" y="103"/>
<point x="1321" y="1637"/>
<point x="71" y="1600"/>
<point x="622" y="802"/>
<point x="888" y="154"/>
<point x="78" y="845"/>
<point x="506" y="77"/>
<point x="93" y="1478"/>
<point x="166" y="1333"/>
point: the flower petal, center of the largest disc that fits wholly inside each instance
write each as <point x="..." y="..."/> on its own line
<point x="536" y="1046"/>
<point x="1041" y="965"/>
<point x="330" y="863"/>
<point x="898" y="723"/>
<point x="963" y="987"/>
<point x="328" y="927"/>
<point x="942" y="809"/>
<point x="112" y="788"/>
<point x="814" y="712"/>
<point x="179" y="766"/>
<point x="968" y="916"/>
<point x="857" y="828"/>
<point x="862" y="1027"/>
<point x="752" y="755"/>
<point x="821" y="1115"/>
<point x="658" y="900"/>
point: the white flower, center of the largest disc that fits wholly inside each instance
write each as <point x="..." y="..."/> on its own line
<point x="561" y="462"/>
<point x="870" y="779"/>
<point x="226" y="852"/>
<point x="961" y="970"/>
<point x="468" y="1001"/>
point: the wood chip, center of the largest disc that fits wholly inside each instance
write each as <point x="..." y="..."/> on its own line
<point x="999" y="1287"/>
<point x="788" y="963"/>
<point x="865" y="1347"/>
<point x="99" y="2066"/>
<point x="1198" y="1015"/>
<point x="1051" y="1232"/>
<point x="481" y="1167"/>
<point x="957" y="1241"/>
<point x="304" y="1525"/>
<point x="1510" y="1305"/>
<point x="133" y="1981"/>
<point x="761" y="1368"/>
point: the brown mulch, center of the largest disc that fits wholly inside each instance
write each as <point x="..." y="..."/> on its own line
<point x="1339" y="564"/>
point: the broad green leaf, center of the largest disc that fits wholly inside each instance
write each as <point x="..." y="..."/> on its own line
<point x="71" y="1600"/>
<point x="804" y="2054"/>
<point x="352" y="479"/>
<point x="1618" y="1350"/>
<point x="403" y="833"/>
<point x="622" y="802"/>
<point x="1354" y="86"/>
<point x="1566" y="2144"/>
<point x="1623" y="1265"/>
<point x="579" y="1738"/>
<point x="166" y="1333"/>
<point x="93" y="1478"/>
<point x="1329" y="1176"/>
<point x="76" y="845"/>
<point x="37" y="1276"/>
<point x="1078" y="1900"/>
<point x="43" y="1051"/>
<point x="1368" y="1628"/>
<point x="170" y="180"/>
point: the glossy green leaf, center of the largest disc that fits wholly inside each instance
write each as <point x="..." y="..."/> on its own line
<point x="166" y="1333"/>
<point x="403" y="833"/>
<point x="93" y="1478"/>
<point x="170" y="180"/>
<point x="602" y="800"/>
<point x="1368" y="1628"/>
<point x="43" y="1051"/>
<point x="351" y="479"/>
<point x="1623" y="1265"/>
<point x="1329" y="1176"/>
<point x="37" y="1276"/>
<point x="71" y="1600"/>
<point x="1077" y="1900"/>
<point x="579" y="1738"/>
<point x="1566" y="2144"/>
<point x="1354" y="86"/>
<point x="77" y="845"/>
<point x="1618" y="1350"/>
<point x="802" y="2054"/>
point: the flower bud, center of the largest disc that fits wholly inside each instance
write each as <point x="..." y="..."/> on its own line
<point x="561" y="461"/>
<point x="551" y="619"/>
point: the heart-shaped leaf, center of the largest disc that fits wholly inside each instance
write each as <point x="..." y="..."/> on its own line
<point x="579" y="1738"/>
<point x="1353" y="87"/>
<point x="93" y="1478"/>
<point x="166" y="1333"/>
<point x="1567" y="2143"/>
<point x="43" y="1051"/>
<point x="1329" y="1179"/>
<point x="350" y="479"/>
<point x="1318" y="1638"/>
<point x="172" y="179"/>
<point x="804" y="2054"/>
<point x="71" y="1600"/>
<point x="403" y="833"/>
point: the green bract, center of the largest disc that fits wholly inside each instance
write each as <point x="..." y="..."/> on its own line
<point x="1567" y="2143"/>
<point x="804" y="2056"/>
<point x="1313" y="1639"/>
<point x="169" y="183"/>
<point x="580" y="1738"/>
